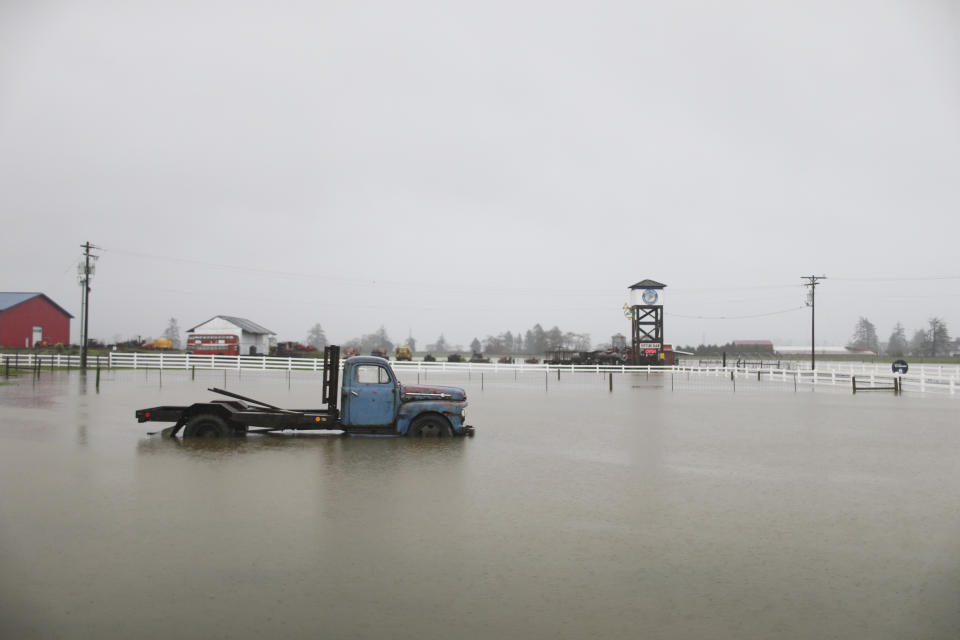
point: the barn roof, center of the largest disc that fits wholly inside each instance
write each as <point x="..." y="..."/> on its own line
<point x="648" y="284"/>
<point x="246" y="325"/>
<point x="10" y="299"/>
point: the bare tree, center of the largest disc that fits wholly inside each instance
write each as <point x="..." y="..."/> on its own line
<point x="938" y="337"/>
<point x="173" y="333"/>
<point x="316" y="337"/>
<point x="918" y="343"/>
<point x="897" y="344"/>
<point x="440" y="346"/>
<point x="377" y="341"/>
<point x="865" y="336"/>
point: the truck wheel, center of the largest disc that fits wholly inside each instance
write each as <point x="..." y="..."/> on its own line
<point x="207" y="425"/>
<point x="430" y="427"/>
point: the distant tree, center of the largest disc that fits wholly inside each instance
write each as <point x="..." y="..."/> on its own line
<point x="865" y="336"/>
<point x="506" y="339"/>
<point x="173" y="333"/>
<point x="554" y="338"/>
<point x="475" y="346"/>
<point x="918" y="343"/>
<point x="381" y="340"/>
<point x="536" y="341"/>
<point x="440" y="346"/>
<point x="316" y="338"/>
<point x="938" y="337"/>
<point x="377" y="341"/>
<point x="576" y="341"/>
<point x="412" y="343"/>
<point x="897" y="344"/>
<point x="502" y="344"/>
<point x="493" y="344"/>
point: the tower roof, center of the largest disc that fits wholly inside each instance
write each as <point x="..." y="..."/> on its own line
<point x="648" y="284"/>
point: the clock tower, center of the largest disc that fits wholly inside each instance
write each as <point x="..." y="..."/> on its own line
<point x="646" y="311"/>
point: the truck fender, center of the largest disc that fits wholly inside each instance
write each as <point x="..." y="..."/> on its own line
<point x="410" y="411"/>
<point x="198" y="408"/>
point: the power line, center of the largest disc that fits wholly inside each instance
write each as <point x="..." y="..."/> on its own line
<point x="898" y="279"/>
<point x="756" y="315"/>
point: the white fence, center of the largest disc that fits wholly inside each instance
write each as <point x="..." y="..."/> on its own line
<point x="921" y="377"/>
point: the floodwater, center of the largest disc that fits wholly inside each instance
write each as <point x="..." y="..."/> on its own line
<point x="656" y="510"/>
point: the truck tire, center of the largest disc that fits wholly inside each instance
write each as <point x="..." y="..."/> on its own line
<point x="430" y="426"/>
<point x="207" y="425"/>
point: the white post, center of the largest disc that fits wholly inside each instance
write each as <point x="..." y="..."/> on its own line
<point x="134" y="359"/>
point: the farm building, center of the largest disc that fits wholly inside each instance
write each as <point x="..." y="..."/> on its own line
<point x="32" y="320"/>
<point x="803" y="350"/>
<point x="229" y="335"/>
<point x="753" y="346"/>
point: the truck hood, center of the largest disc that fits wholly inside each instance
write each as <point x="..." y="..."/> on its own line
<point x="409" y="392"/>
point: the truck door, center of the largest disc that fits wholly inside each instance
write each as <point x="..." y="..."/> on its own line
<point x="371" y="396"/>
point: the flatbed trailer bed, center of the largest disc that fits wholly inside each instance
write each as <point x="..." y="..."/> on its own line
<point x="242" y="414"/>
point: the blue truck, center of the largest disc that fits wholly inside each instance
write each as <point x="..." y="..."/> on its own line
<point x="371" y="401"/>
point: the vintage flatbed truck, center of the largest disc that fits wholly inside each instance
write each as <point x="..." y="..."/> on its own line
<point x="372" y="402"/>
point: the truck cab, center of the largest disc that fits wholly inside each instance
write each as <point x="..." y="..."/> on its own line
<point x="373" y="400"/>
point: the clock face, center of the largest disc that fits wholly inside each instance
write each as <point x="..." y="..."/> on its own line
<point x="650" y="296"/>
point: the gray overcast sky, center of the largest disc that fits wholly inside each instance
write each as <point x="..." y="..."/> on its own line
<point x="469" y="168"/>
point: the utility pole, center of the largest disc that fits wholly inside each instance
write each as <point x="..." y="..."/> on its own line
<point x="812" y="282"/>
<point x="85" y="274"/>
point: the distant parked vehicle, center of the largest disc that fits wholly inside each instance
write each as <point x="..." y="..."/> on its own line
<point x="454" y="357"/>
<point x="160" y="344"/>
<point x="429" y="358"/>
<point x="291" y="349"/>
<point x="403" y="353"/>
<point x="505" y="360"/>
<point x="379" y="354"/>
<point x="478" y="357"/>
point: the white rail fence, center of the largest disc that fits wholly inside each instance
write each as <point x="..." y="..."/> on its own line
<point x="921" y="377"/>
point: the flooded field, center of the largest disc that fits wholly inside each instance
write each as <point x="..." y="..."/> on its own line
<point x="667" y="508"/>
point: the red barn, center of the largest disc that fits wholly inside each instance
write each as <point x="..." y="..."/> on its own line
<point x="32" y="319"/>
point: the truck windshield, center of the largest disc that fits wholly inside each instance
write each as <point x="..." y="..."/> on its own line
<point x="372" y="374"/>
